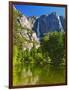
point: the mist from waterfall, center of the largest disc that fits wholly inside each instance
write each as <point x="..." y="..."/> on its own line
<point x="60" y="25"/>
<point x="38" y="31"/>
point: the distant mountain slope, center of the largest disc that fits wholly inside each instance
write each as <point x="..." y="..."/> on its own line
<point x="43" y="24"/>
<point x="48" y="23"/>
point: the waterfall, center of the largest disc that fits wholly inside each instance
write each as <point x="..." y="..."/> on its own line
<point x="60" y="24"/>
<point x="38" y="31"/>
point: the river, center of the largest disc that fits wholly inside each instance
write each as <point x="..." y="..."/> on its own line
<point x="37" y="74"/>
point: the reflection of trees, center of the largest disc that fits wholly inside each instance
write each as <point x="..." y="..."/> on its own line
<point x="51" y="75"/>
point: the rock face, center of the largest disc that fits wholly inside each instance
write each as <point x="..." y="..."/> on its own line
<point x="32" y="20"/>
<point x="25" y="22"/>
<point x="48" y="23"/>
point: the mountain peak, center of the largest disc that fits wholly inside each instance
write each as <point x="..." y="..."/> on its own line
<point x="53" y="13"/>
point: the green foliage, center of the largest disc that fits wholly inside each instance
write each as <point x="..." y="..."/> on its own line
<point x="16" y="17"/>
<point x="52" y="44"/>
<point x="16" y="27"/>
<point x="52" y="50"/>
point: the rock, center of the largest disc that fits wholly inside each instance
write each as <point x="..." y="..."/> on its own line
<point x="48" y="23"/>
<point x="25" y="23"/>
<point x="32" y="20"/>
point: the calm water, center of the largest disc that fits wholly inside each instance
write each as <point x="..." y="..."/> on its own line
<point x="38" y="74"/>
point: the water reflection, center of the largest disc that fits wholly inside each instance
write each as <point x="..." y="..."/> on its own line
<point x="36" y="74"/>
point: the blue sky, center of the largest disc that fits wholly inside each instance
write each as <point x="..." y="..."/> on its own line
<point x="30" y="10"/>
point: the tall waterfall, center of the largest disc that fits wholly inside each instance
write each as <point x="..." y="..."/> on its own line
<point x="60" y="25"/>
<point x="38" y="31"/>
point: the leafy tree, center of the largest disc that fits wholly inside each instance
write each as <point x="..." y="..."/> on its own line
<point x="52" y="44"/>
